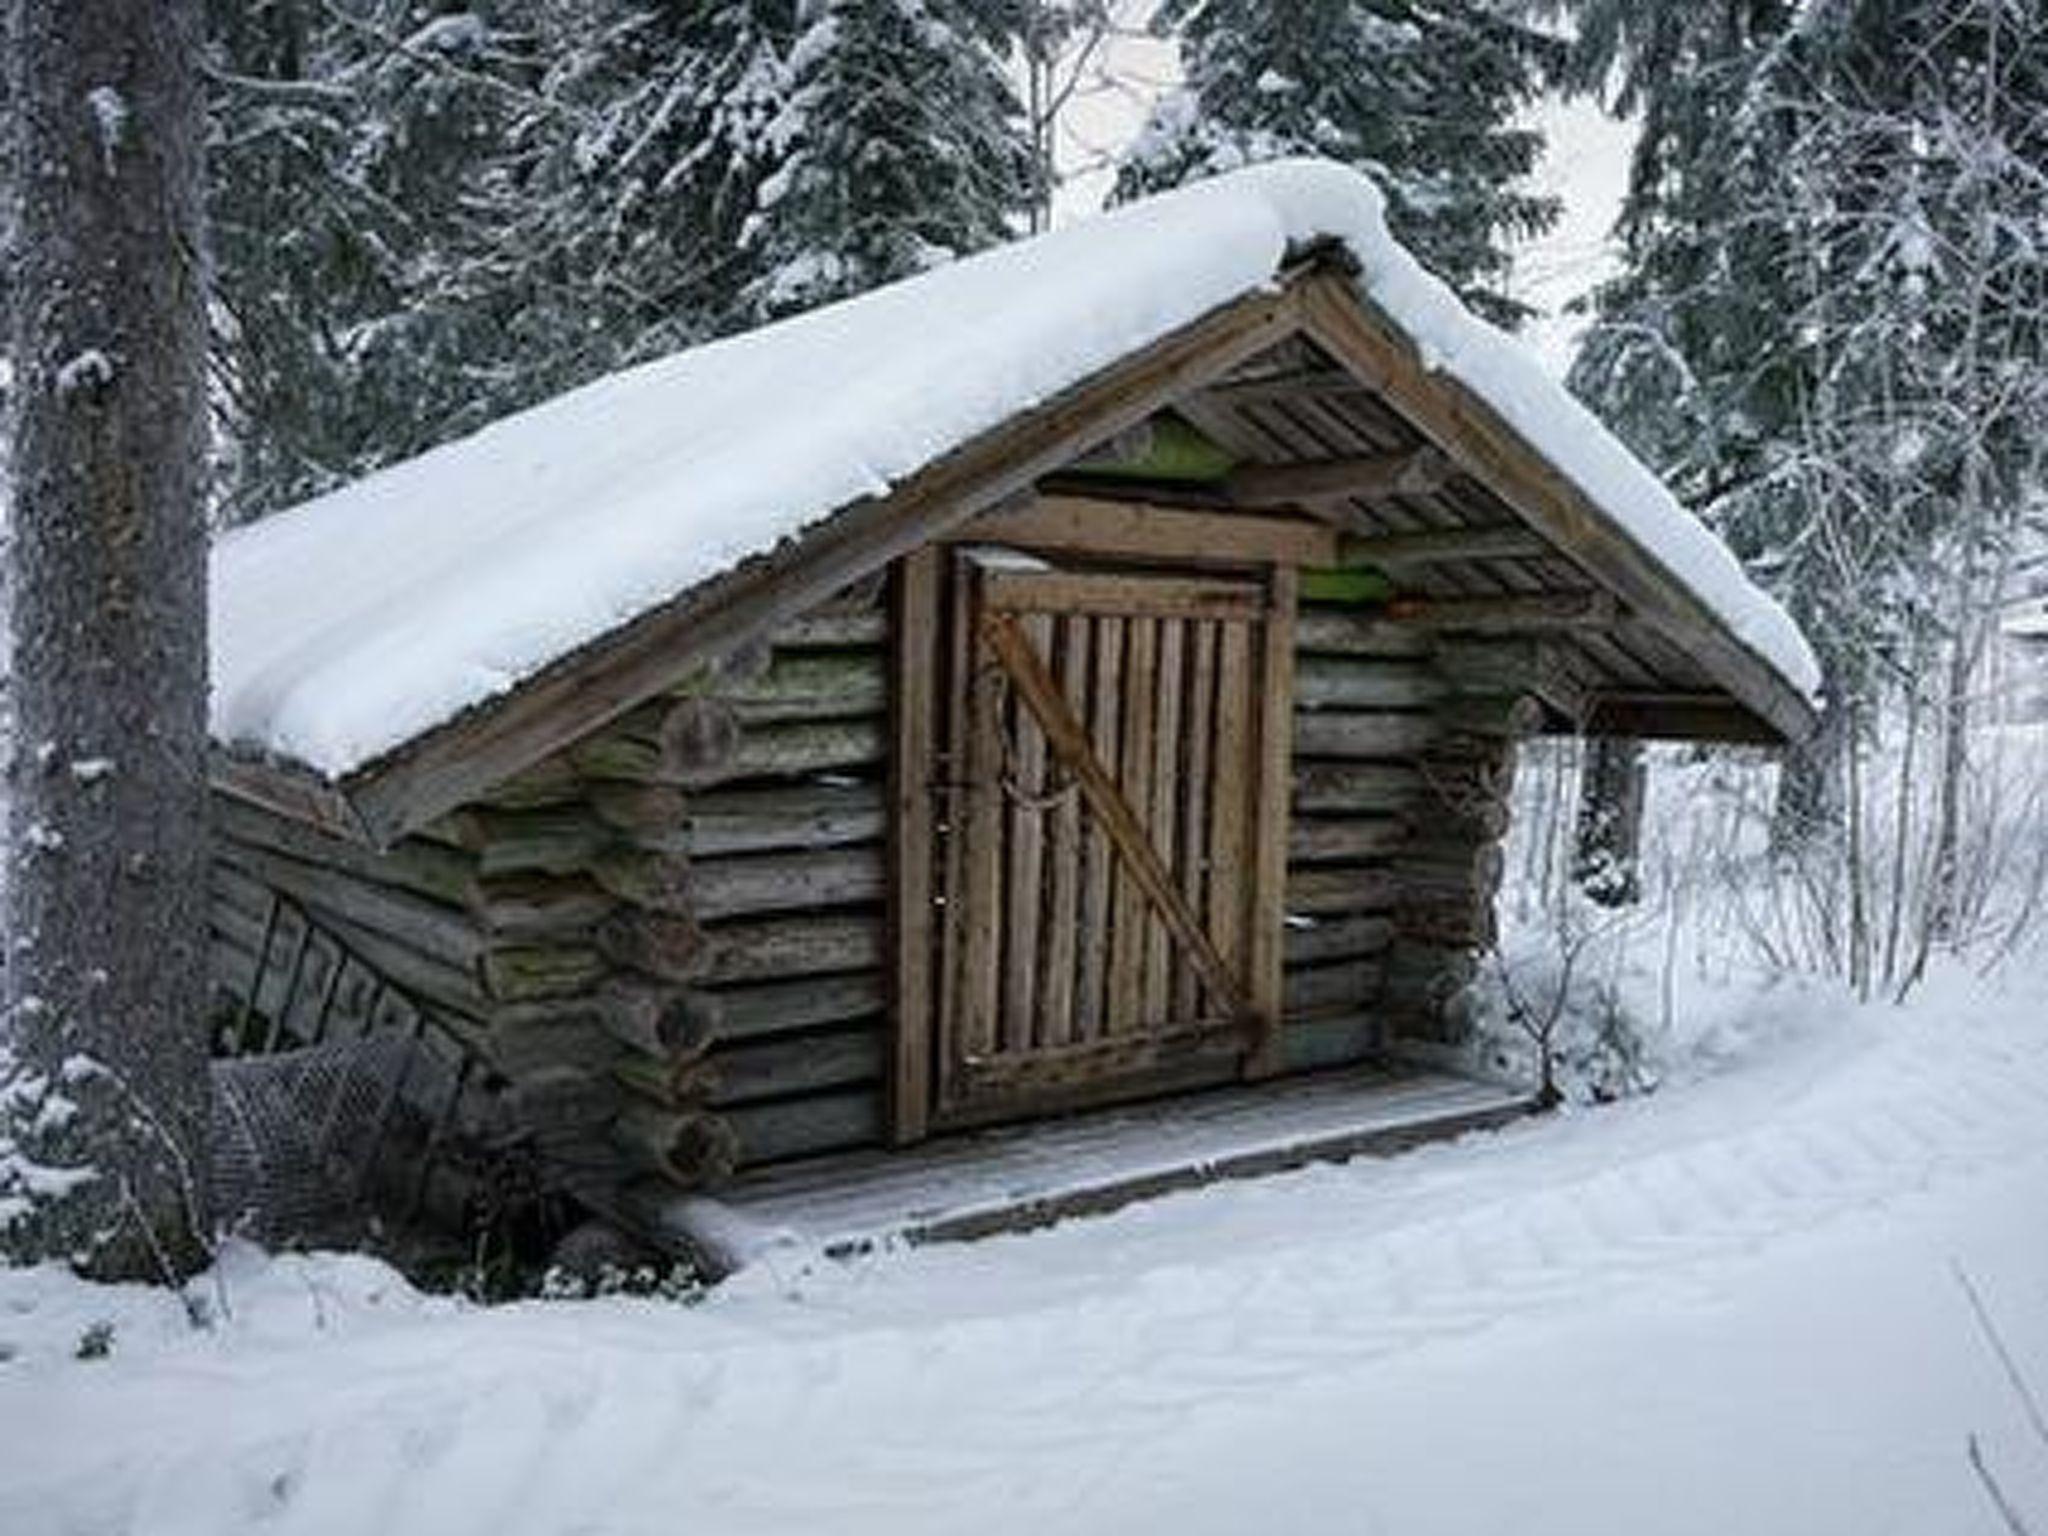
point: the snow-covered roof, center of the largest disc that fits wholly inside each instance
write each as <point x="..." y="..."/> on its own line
<point x="348" y="626"/>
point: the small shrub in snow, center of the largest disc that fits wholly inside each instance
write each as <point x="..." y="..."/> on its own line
<point x="97" y="1342"/>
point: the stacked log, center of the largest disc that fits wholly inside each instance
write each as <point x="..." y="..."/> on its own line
<point x="663" y="945"/>
<point x="668" y="941"/>
<point x="1449" y="880"/>
<point x="724" y="929"/>
<point x="1365" y="700"/>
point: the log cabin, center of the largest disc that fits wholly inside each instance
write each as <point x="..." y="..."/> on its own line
<point x="1083" y="676"/>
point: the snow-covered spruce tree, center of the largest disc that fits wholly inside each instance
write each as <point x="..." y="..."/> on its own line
<point x="1830" y="336"/>
<point x="630" y="173"/>
<point x="902" y="145"/>
<point x="429" y="218"/>
<point x="351" y="151"/>
<point x="1421" y="96"/>
<point x="103" y="1098"/>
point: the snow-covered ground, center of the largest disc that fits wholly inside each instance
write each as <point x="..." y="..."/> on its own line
<point x="1731" y="1306"/>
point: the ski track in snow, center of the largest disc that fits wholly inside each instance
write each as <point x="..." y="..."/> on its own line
<point x="1016" y="1374"/>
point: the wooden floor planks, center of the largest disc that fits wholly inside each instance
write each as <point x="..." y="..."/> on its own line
<point x="1012" y="1179"/>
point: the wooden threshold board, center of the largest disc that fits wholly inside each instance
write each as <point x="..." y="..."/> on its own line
<point x="1016" y="1178"/>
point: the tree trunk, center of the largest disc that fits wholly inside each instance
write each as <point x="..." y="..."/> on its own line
<point x="1607" y="852"/>
<point x="1808" y="809"/>
<point x="107" y="878"/>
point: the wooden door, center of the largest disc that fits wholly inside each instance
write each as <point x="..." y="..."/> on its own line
<point x="1112" y="843"/>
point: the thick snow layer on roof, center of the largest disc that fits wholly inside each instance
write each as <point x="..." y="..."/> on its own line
<point x="349" y="625"/>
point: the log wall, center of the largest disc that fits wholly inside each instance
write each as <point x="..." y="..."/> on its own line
<point x="1402" y="765"/>
<point x="667" y="944"/>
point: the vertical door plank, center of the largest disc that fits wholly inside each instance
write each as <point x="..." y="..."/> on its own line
<point x="1230" y="796"/>
<point x="982" y="858"/>
<point x="1097" y="857"/>
<point x="1166" y="781"/>
<point x="1024" y="780"/>
<point x="1198" y="731"/>
<point x="912" y="769"/>
<point x="1133" y="919"/>
<point x="957" y="649"/>
<point x="1270" y="805"/>
<point x="1063" y="855"/>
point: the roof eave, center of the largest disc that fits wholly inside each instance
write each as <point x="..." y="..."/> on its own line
<point x="1487" y="448"/>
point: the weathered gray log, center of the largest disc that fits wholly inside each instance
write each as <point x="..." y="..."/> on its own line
<point x="1336" y="938"/>
<point x="432" y="976"/>
<point x="639" y="811"/>
<point x="822" y="685"/>
<point x="446" y="874"/>
<point x="1490" y="714"/>
<point x="777" y="882"/>
<point x="1459" y="782"/>
<point x="525" y="1047"/>
<point x="1346" y="632"/>
<point x="1317" y="840"/>
<point x="1427" y="992"/>
<point x="691" y="1148"/>
<point x="792" y="750"/>
<point x="1333" y="1040"/>
<point x="322" y="1004"/>
<point x="1415" y="965"/>
<point x="652" y="1018"/>
<point x="720" y="821"/>
<point x="1451" y="867"/>
<point x="1448" y="920"/>
<point x="675" y="1082"/>
<point x="787" y="750"/>
<point x="775" y="1068"/>
<point x="830" y="628"/>
<point x="1367" y="734"/>
<point x="679" y="949"/>
<point x="1509" y="612"/>
<point x="659" y="882"/>
<point x="1503" y="665"/>
<point x="767" y="949"/>
<point x="664" y="743"/>
<point x="1500" y="541"/>
<point x="826" y="1122"/>
<point x="1349" y="984"/>
<point x="1341" y="682"/>
<point x="516" y="973"/>
<point x="541" y="906"/>
<point x="1411" y="472"/>
<point x="664" y="945"/>
<point x="551" y="781"/>
<point x="560" y="1096"/>
<point x="1372" y="788"/>
<point x="746" y="1013"/>
<point x="644" y="1015"/>
<point x="560" y="840"/>
<point x="1337" y="888"/>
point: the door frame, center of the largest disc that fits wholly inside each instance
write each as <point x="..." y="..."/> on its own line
<point x="920" y="624"/>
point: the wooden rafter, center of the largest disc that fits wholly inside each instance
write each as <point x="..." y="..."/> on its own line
<point x="1283" y="386"/>
<point x="1509" y="541"/>
<point x="1672" y="717"/>
<point x="1368" y="478"/>
<point x="1508" y="613"/>
<point x="1489" y="450"/>
<point x="1136" y="530"/>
